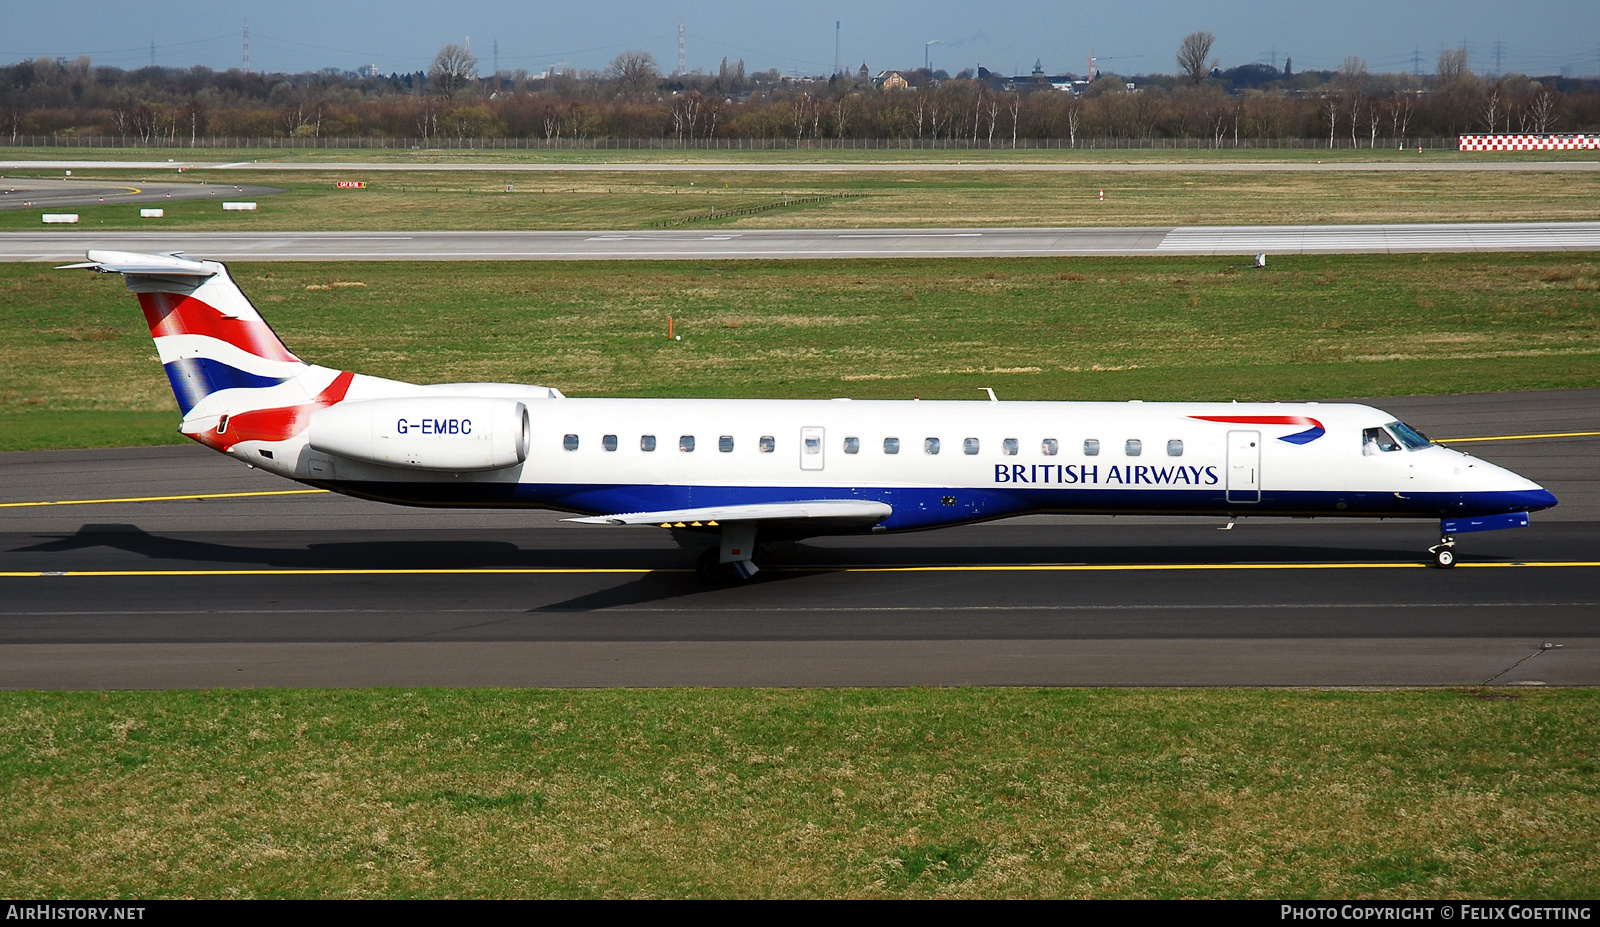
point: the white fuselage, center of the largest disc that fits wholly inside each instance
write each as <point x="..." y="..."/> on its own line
<point x="934" y="462"/>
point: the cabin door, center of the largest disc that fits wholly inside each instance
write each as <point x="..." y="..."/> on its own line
<point x="811" y="448"/>
<point x="1244" y="466"/>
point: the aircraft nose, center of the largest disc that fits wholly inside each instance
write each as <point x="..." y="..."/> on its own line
<point x="1540" y="498"/>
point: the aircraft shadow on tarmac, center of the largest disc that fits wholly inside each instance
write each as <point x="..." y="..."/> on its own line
<point x="671" y="574"/>
<point x="788" y="557"/>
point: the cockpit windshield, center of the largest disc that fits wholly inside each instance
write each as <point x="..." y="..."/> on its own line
<point x="1394" y="436"/>
<point x="1408" y="436"/>
<point x="1377" y="441"/>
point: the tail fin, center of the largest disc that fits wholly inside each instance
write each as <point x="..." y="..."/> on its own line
<point x="207" y="334"/>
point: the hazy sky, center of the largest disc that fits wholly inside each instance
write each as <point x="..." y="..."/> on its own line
<point x="1132" y="36"/>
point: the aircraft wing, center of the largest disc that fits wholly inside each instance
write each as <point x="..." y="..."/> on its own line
<point x="712" y="516"/>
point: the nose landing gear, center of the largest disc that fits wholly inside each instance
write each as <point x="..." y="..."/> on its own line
<point x="1444" y="552"/>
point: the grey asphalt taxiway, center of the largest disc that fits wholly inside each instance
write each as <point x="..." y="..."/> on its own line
<point x="61" y="193"/>
<point x="224" y="576"/>
<point x="786" y="244"/>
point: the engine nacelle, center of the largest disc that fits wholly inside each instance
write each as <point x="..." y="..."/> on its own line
<point x="426" y="432"/>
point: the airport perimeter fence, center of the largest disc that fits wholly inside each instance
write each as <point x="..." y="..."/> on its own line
<point x="721" y="144"/>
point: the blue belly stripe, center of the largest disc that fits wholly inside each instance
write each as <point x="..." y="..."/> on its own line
<point x="918" y="508"/>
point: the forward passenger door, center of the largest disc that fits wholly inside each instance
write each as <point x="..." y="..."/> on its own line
<point x="1244" y="466"/>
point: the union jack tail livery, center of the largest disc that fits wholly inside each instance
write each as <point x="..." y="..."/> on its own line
<point x="208" y="335"/>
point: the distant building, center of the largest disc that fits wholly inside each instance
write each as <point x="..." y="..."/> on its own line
<point x="368" y="70"/>
<point x="892" y="80"/>
<point x="863" y="74"/>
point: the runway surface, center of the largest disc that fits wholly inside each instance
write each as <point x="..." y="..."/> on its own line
<point x="58" y="193"/>
<point x="304" y="588"/>
<point x="1241" y="241"/>
<point x="899" y="167"/>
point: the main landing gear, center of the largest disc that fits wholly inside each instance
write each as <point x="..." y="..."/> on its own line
<point x="712" y="571"/>
<point x="731" y="560"/>
<point x="1444" y="553"/>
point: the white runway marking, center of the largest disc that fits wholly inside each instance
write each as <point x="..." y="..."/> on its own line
<point x="1383" y="239"/>
<point x="912" y="235"/>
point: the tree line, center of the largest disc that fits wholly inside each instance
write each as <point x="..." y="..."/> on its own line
<point x="632" y="99"/>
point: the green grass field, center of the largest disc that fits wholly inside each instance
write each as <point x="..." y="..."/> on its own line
<point x="580" y="199"/>
<point x="1108" y="328"/>
<point x="809" y="793"/>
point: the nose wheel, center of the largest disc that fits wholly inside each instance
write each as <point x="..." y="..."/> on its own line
<point x="1444" y="553"/>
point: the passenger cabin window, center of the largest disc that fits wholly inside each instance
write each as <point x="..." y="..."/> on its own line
<point x="852" y="445"/>
<point x="767" y="444"/>
<point x="1050" y="447"/>
<point x="686" y="444"/>
<point x="813" y="444"/>
<point x="1175" y="448"/>
<point x="609" y="442"/>
<point x="891" y="445"/>
<point x="930" y="445"/>
<point x="1376" y="440"/>
<point x="570" y="442"/>
<point x="1008" y="447"/>
<point x="647" y="442"/>
<point x="1133" y="448"/>
<point x="969" y="446"/>
<point x="725" y="444"/>
<point x="1091" y="447"/>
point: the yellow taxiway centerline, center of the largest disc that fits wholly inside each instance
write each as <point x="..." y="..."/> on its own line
<point x="1132" y="567"/>
<point x="1564" y="434"/>
<point x="465" y="571"/>
<point x="200" y="495"/>
<point x="1002" y="568"/>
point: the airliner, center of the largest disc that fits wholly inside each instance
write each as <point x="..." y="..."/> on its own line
<point x="732" y="473"/>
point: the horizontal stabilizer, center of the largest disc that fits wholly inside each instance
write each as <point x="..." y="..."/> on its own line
<point x="128" y="262"/>
<point x="851" y="509"/>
